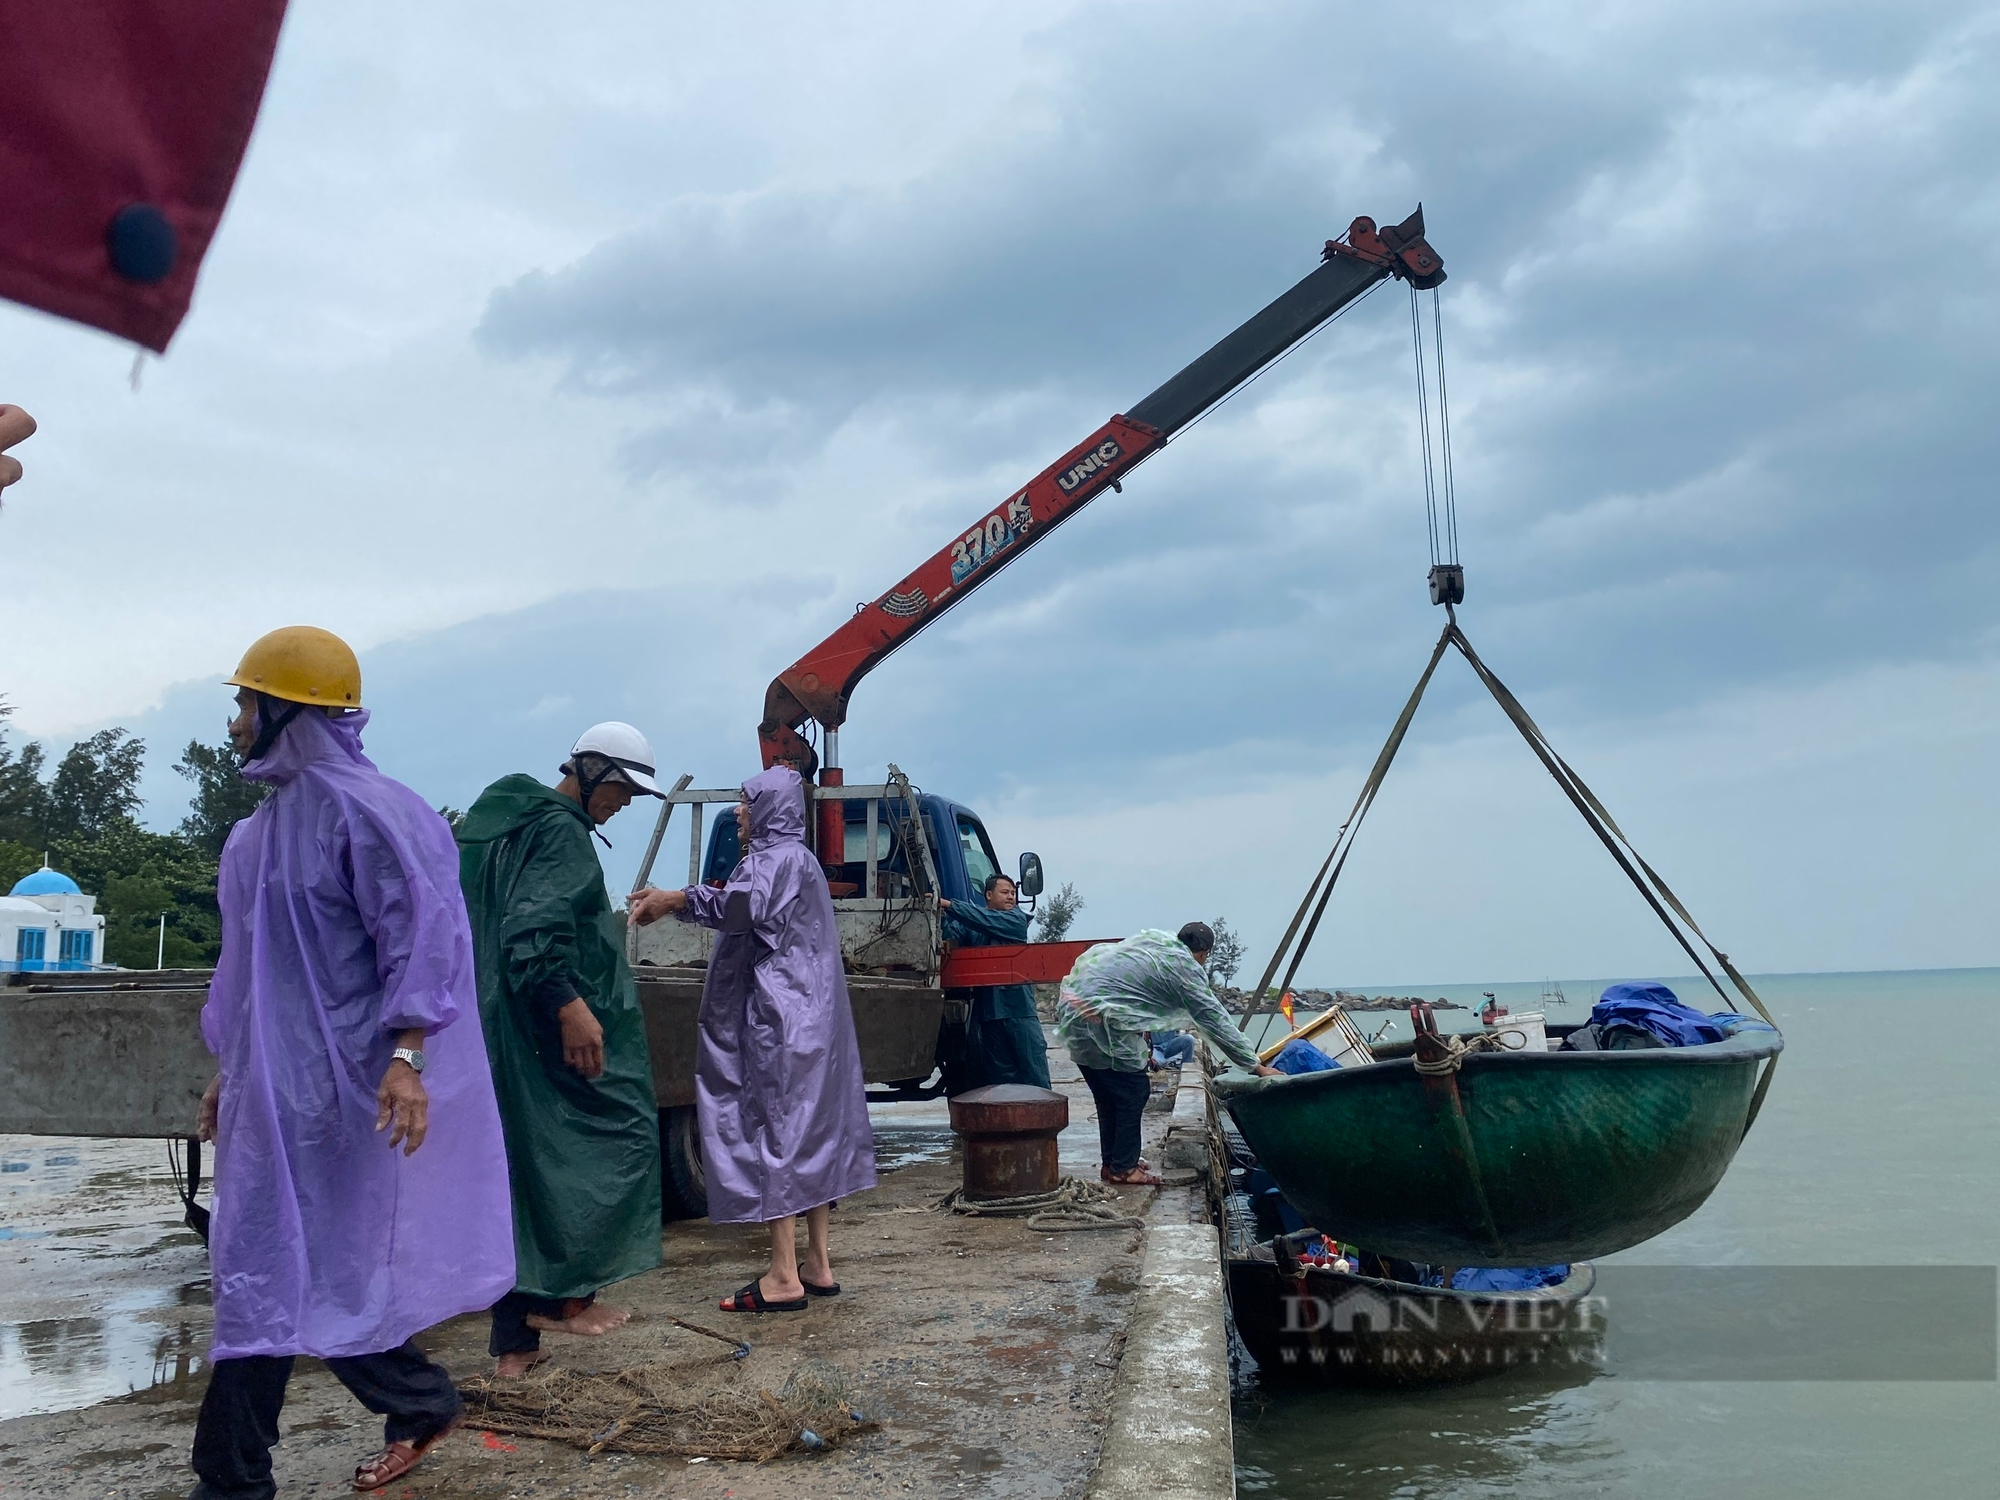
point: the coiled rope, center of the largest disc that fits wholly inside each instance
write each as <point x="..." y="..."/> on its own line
<point x="1074" y="1205"/>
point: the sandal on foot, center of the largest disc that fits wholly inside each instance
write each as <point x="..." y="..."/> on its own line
<point x="814" y="1289"/>
<point x="396" y="1460"/>
<point x="1137" y="1177"/>
<point x="751" y="1299"/>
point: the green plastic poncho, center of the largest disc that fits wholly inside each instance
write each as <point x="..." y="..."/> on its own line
<point x="583" y="1153"/>
<point x="1003" y="1034"/>
<point x="1149" y="982"/>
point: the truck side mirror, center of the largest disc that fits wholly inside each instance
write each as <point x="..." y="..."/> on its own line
<point x="1030" y="883"/>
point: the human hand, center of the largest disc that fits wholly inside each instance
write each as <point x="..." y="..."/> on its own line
<point x="16" y="426"/>
<point x="582" y="1036"/>
<point x="402" y="1100"/>
<point x="648" y="906"/>
<point x="942" y="901"/>
<point x="1269" y="1072"/>
<point x="211" y="1108"/>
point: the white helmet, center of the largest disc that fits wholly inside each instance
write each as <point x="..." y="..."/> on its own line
<point x="625" y="748"/>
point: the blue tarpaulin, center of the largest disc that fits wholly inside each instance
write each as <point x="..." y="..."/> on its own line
<point x="1507" y="1278"/>
<point x="1656" y="1009"/>
<point x="1301" y="1056"/>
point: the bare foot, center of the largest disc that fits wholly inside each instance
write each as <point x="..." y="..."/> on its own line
<point x="514" y="1366"/>
<point x="592" y="1322"/>
<point x="816" y="1273"/>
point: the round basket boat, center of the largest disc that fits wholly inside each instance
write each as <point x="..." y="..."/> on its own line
<point x="1514" y="1158"/>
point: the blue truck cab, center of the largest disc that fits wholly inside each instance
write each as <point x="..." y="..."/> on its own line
<point x="960" y="848"/>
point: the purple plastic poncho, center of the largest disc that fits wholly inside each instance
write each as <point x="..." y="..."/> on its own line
<point x="784" y="1112"/>
<point x="342" y="924"/>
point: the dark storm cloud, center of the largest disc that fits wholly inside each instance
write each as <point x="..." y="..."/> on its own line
<point x="1722" y="334"/>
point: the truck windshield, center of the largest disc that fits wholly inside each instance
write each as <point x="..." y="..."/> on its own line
<point x="979" y="860"/>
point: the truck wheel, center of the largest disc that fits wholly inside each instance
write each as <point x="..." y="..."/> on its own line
<point x="683" y="1184"/>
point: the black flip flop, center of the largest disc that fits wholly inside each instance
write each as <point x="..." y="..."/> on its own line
<point x="752" y="1300"/>
<point x="831" y="1289"/>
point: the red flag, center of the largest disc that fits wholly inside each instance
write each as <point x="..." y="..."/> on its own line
<point x="122" y="125"/>
<point x="1285" y="1008"/>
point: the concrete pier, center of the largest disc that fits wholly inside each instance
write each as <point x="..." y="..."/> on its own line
<point x="1001" y="1360"/>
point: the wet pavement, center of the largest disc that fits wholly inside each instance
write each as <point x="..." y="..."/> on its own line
<point x="986" y="1348"/>
<point x="105" y="1290"/>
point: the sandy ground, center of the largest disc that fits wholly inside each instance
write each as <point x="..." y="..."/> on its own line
<point x="985" y="1349"/>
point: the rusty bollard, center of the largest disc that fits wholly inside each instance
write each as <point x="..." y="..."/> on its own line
<point x="1009" y="1130"/>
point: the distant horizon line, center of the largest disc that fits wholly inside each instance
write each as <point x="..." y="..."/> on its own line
<point x="1412" y="987"/>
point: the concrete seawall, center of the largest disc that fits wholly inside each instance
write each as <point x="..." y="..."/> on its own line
<point x="1169" y="1435"/>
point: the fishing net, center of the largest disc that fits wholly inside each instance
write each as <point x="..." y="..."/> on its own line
<point x="650" y="1409"/>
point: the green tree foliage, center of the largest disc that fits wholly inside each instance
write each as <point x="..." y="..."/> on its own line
<point x="222" y="798"/>
<point x="1057" y="914"/>
<point x="84" y="817"/>
<point x="21" y="789"/>
<point x="1227" y="956"/>
<point x="16" y="860"/>
<point x="96" y="787"/>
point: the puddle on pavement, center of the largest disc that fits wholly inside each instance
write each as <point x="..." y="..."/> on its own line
<point x="104" y="1292"/>
<point x="898" y="1146"/>
<point x="58" y="1364"/>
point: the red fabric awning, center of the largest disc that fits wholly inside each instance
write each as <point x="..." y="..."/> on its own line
<point x="122" y="125"/>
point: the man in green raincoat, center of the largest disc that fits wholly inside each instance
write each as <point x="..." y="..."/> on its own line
<point x="567" y="1042"/>
<point x="1003" y="1034"/>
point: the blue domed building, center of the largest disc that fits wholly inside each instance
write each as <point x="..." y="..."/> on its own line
<point x="47" y="922"/>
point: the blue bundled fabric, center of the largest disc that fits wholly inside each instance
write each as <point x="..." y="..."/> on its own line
<point x="1656" y="1009"/>
<point x="1301" y="1056"/>
<point x="1731" y="1023"/>
<point x="1507" y="1278"/>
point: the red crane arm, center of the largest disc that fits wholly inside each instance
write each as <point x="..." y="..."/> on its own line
<point x="818" y="684"/>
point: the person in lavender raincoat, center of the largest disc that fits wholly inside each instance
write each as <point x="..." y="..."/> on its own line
<point x="360" y="1178"/>
<point x="784" y="1113"/>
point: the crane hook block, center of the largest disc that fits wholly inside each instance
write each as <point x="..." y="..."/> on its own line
<point x="1448" y="584"/>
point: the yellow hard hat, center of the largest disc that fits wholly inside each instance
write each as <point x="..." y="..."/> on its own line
<point x="302" y="664"/>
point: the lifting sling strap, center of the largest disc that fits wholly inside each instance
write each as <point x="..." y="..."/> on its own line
<point x="1642" y="875"/>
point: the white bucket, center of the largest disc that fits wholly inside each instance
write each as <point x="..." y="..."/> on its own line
<point x="1524" y="1031"/>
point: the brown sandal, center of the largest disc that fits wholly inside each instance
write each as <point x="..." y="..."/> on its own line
<point x="396" y="1460"/>
<point x="1139" y="1176"/>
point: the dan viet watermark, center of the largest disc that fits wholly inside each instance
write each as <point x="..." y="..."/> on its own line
<point x="1418" y="1332"/>
<point x="1669" y="1323"/>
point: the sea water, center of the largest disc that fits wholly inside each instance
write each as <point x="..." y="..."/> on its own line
<point x="1879" y="1145"/>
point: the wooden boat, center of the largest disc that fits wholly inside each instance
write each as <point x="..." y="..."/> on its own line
<point x="1308" y="1324"/>
<point x="1508" y="1158"/>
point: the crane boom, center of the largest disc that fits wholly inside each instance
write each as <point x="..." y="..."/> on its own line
<point x="817" y="686"/>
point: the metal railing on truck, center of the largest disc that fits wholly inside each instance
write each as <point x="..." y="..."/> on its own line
<point x="888" y="927"/>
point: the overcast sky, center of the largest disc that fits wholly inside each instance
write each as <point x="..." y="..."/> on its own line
<point x="596" y="369"/>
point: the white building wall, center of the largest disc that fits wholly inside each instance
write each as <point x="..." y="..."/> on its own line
<point x="53" y="916"/>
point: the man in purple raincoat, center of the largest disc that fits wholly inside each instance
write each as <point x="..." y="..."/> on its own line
<point x="345" y="1021"/>
<point x="784" y="1113"/>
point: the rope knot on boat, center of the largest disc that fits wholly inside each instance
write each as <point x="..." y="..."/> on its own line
<point x="1447" y="1054"/>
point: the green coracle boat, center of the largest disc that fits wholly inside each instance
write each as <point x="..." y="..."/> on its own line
<point x="1511" y="1158"/>
<point x="1460" y="1157"/>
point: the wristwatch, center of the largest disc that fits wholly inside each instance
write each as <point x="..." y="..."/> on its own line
<point x="411" y="1055"/>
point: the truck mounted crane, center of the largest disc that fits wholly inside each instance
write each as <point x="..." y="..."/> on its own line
<point x="818" y="685"/>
